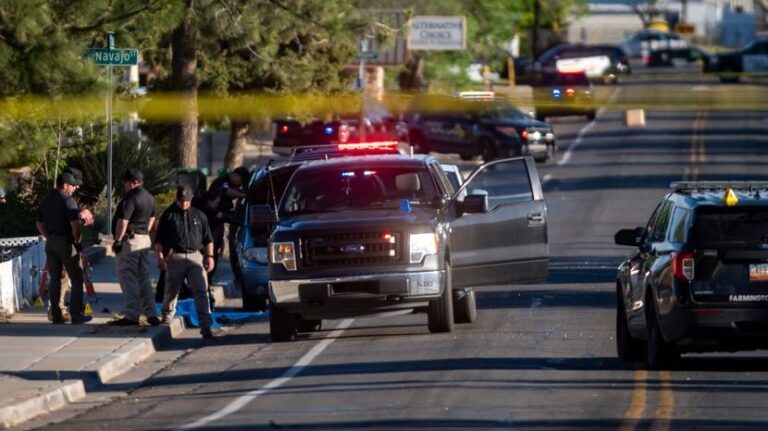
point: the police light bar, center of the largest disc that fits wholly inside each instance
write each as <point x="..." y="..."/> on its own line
<point x="477" y="95"/>
<point x="361" y="146"/>
<point x="704" y="186"/>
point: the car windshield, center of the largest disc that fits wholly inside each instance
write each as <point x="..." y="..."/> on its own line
<point x="354" y="188"/>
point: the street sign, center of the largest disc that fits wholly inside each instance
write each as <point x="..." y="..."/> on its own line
<point x="368" y="55"/>
<point x="437" y="33"/>
<point x="114" y="57"/>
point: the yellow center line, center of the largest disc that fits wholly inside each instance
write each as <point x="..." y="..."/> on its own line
<point x="666" y="404"/>
<point x="637" y="405"/>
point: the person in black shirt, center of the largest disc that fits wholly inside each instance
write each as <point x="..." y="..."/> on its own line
<point x="182" y="233"/>
<point x="58" y="220"/>
<point x="133" y="220"/>
<point x="208" y="203"/>
<point x="230" y="188"/>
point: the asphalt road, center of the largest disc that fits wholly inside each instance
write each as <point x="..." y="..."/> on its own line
<point x="541" y="356"/>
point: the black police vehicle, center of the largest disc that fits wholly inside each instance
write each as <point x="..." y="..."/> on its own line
<point x="388" y="235"/>
<point x="731" y="66"/>
<point x="476" y="128"/>
<point x="698" y="277"/>
<point x="601" y="63"/>
<point x="564" y="94"/>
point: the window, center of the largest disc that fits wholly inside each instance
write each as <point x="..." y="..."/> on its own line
<point x="505" y="182"/>
<point x="662" y="221"/>
<point x="678" y="226"/>
<point x="350" y="187"/>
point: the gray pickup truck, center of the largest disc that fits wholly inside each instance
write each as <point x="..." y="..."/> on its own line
<point x="388" y="235"/>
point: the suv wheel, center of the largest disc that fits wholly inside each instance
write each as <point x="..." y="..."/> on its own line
<point x="488" y="148"/>
<point x="465" y="307"/>
<point x="304" y="325"/>
<point x="282" y="326"/>
<point x="440" y="311"/>
<point x="253" y="302"/>
<point x="660" y="353"/>
<point x="628" y="348"/>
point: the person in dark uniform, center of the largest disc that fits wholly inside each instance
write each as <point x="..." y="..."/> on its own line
<point x="58" y="220"/>
<point x="132" y="222"/>
<point x="209" y="203"/>
<point x="182" y="233"/>
<point x="230" y="188"/>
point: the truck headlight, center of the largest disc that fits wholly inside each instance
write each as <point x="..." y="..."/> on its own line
<point x="422" y="244"/>
<point x="257" y="254"/>
<point x="285" y="254"/>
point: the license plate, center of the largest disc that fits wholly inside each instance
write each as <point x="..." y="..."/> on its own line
<point x="758" y="272"/>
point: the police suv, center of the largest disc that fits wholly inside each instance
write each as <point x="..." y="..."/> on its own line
<point x="697" y="278"/>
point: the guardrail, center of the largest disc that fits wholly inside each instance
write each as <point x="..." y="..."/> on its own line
<point x="21" y="262"/>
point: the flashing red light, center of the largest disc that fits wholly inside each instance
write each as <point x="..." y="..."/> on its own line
<point x="570" y="92"/>
<point x="524" y="134"/>
<point x="682" y="266"/>
<point x="284" y="128"/>
<point x="388" y="237"/>
<point x="360" y="146"/>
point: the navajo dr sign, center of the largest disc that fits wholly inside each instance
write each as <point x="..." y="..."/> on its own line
<point x="437" y="33"/>
<point x="114" y="57"/>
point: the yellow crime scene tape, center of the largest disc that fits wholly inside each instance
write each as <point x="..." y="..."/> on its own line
<point x="167" y="107"/>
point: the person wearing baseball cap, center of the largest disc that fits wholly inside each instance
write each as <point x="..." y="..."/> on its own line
<point x="58" y="220"/>
<point x="182" y="234"/>
<point x="133" y="220"/>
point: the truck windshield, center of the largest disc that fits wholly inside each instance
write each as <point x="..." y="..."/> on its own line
<point x="346" y="188"/>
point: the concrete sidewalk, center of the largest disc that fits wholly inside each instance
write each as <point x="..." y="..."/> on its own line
<point x="44" y="367"/>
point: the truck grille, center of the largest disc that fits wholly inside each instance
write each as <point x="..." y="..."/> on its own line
<point x="348" y="249"/>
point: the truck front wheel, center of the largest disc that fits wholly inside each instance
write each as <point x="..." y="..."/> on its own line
<point x="440" y="312"/>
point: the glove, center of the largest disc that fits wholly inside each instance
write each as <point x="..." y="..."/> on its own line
<point x="78" y="247"/>
<point x="117" y="246"/>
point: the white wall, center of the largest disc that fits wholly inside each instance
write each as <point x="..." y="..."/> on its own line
<point x="18" y="284"/>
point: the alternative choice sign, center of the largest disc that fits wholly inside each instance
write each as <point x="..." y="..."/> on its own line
<point x="437" y="33"/>
<point x="114" y="57"/>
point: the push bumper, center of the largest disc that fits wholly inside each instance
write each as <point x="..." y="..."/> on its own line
<point x="400" y="286"/>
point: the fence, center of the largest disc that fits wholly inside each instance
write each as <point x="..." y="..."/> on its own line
<point x="21" y="262"/>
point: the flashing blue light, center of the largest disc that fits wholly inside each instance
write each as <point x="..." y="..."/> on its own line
<point x="328" y="130"/>
<point x="347" y="174"/>
<point x="556" y="93"/>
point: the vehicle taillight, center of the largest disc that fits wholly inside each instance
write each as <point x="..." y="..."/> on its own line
<point x="523" y="133"/>
<point x="570" y="92"/>
<point x="682" y="266"/>
<point x="284" y="128"/>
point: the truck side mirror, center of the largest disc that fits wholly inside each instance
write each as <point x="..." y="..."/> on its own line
<point x="473" y="204"/>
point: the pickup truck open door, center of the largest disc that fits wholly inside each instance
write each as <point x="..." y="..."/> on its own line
<point x="505" y="241"/>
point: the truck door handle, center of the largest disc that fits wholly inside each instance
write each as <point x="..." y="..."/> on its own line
<point x="535" y="219"/>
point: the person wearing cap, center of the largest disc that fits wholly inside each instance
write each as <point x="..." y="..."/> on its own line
<point x="182" y="233"/>
<point x="58" y="220"/>
<point x="132" y="221"/>
<point x="85" y="214"/>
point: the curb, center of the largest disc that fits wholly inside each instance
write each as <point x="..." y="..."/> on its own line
<point x="59" y="395"/>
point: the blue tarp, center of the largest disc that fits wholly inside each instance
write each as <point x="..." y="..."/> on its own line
<point x="186" y="308"/>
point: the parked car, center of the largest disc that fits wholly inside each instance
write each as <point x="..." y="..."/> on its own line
<point x="564" y="94"/>
<point x="601" y="63"/>
<point x="387" y="234"/>
<point x="697" y="277"/>
<point x="732" y="66"/>
<point x="476" y="127"/>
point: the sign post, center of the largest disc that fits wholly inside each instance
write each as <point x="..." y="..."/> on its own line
<point x="111" y="57"/>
